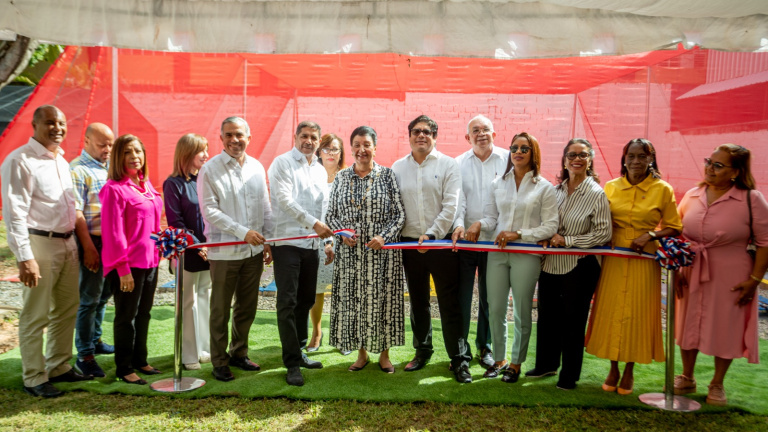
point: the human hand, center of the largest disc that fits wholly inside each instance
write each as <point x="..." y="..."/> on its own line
<point x="557" y="241"/>
<point x="681" y="283"/>
<point x="639" y="243"/>
<point x="267" y="254"/>
<point x="504" y="237"/>
<point x="376" y="243"/>
<point x="29" y="273"/>
<point x="329" y="254"/>
<point x="351" y="242"/>
<point x="458" y="234"/>
<point x="422" y="238"/>
<point x="322" y="230"/>
<point x="91" y="259"/>
<point x="473" y="233"/>
<point x="747" y="288"/>
<point x="126" y="283"/>
<point x="203" y="252"/>
<point x="254" y="238"/>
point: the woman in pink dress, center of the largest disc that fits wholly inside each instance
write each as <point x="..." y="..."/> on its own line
<point x="716" y="297"/>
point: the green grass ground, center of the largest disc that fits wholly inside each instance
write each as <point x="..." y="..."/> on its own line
<point x="334" y="396"/>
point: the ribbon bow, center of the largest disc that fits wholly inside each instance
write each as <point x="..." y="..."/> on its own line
<point x="674" y="252"/>
<point x="171" y="241"/>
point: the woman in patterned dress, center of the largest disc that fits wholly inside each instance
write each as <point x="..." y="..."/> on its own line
<point x="367" y="303"/>
<point x="331" y="152"/>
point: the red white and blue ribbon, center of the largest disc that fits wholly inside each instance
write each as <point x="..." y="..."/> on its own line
<point x="342" y="232"/>
<point x="171" y="241"/>
<point x="525" y="248"/>
<point x="674" y="252"/>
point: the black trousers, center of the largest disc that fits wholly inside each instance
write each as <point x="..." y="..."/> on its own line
<point x="471" y="262"/>
<point x="296" y="281"/>
<point x="563" y="310"/>
<point x="443" y="266"/>
<point x="239" y="279"/>
<point x="132" y="318"/>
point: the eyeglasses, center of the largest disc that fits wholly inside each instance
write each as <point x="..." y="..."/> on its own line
<point x="483" y="131"/>
<point x="523" y="149"/>
<point x="716" y="165"/>
<point x="572" y="155"/>
<point x="328" y="150"/>
<point x="426" y="132"/>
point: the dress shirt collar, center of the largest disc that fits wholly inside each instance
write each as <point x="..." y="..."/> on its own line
<point x="299" y="156"/>
<point x="432" y="155"/>
<point x="495" y="151"/>
<point x="643" y="185"/>
<point x="90" y="161"/>
<point x="374" y="170"/>
<point x="41" y="150"/>
<point x="732" y="193"/>
<point x="581" y="188"/>
<point x="527" y="176"/>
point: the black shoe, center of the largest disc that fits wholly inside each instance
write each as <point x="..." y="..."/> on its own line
<point x="70" y="376"/>
<point x="486" y="358"/>
<point x="103" y="348"/>
<point x="462" y="374"/>
<point x="539" y="373"/>
<point x="354" y="368"/>
<point x="566" y="385"/>
<point x="90" y="367"/>
<point x="510" y="376"/>
<point x="495" y="371"/>
<point x="244" y="363"/>
<point x="309" y="364"/>
<point x="223" y="373"/>
<point x="139" y="381"/>
<point x="150" y="371"/>
<point x="294" y="377"/>
<point x="46" y="390"/>
<point x="416" y="364"/>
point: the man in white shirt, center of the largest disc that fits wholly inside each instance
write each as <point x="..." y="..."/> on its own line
<point x="430" y="184"/>
<point x="234" y="201"/>
<point x="39" y="214"/>
<point x="298" y="185"/>
<point x="479" y="166"/>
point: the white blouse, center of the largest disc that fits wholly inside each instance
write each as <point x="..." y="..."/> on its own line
<point x="532" y="208"/>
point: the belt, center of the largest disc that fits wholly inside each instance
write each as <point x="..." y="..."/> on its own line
<point x="50" y="234"/>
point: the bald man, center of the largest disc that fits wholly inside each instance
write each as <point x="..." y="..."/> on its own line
<point x="89" y="173"/>
<point x="39" y="215"/>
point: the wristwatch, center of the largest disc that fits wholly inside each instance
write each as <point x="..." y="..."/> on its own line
<point x="431" y="236"/>
<point x="652" y="234"/>
<point x="519" y="233"/>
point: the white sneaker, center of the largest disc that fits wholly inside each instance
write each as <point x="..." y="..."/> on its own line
<point x="192" y="366"/>
<point x="205" y="357"/>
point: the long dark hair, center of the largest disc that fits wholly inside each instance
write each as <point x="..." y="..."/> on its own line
<point x="653" y="166"/>
<point x="564" y="175"/>
<point x="117" y="158"/>
<point x="535" y="154"/>
<point x="740" y="160"/>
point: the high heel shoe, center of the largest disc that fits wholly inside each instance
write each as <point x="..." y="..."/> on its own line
<point x="138" y="381"/>
<point x="314" y="349"/>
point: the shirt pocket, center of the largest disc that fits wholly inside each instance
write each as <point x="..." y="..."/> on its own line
<point x="135" y="209"/>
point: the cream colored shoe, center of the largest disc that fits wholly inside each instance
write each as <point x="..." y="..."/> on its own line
<point x="192" y="366"/>
<point x="205" y="357"/>
<point x="684" y="385"/>
<point x="716" y="395"/>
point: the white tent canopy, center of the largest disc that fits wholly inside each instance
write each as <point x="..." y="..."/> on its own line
<point x="500" y="28"/>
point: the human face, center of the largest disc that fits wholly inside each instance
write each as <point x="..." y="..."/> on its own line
<point x="421" y="143"/>
<point x="51" y="127"/>
<point x="521" y="161"/>
<point x="719" y="172"/>
<point x="235" y="140"/>
<point x="637" y="161"/>
<point x="199" y="159"/>
<point x="480" y="136"/>
<point x="363" y="149"/>
<point x="307" y="141"/>
<point x="330" y="154"/>
<point x="98" y="144"/>
<point x="577" y="166"/>
<point x="133" y="158"/>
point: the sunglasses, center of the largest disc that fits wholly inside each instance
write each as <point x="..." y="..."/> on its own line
<point x="426" y="132"/>
<point x="328" y="150"/>
<point x="523" y="149"/>
<point x="573" y="155"/>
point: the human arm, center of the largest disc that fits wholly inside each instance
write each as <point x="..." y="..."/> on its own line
<point x="451" y="188"/>
<point x="91" y="259"/>
<point x="396" y="210"/>
<point x="209" y="197"/>
<point x="548" y="215"/>
<point x="115" y="243"/>
<point x="600" y="227"/>
<point x="281" y="184"/>
<point x="173" y="191"/>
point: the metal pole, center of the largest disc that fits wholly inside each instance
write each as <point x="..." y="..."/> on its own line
<point x="178" y="383"/>
<point x="667" y="400"/>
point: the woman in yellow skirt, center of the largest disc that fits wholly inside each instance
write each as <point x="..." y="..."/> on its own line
<point x="625" y="325"/>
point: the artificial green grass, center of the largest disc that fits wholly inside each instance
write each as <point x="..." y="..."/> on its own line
<point x="745" y="383"/>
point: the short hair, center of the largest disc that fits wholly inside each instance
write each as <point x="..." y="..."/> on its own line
<point x="235" y="119"/>
<point x="117" y="158"/>
<point x="308" y="124"/>
<point x="326" y="141"/>
<point x="38" y="114"/>
<point x="479" y="117"/>
<point x="564" y="174"/>
<point x="535" y="163"/>
<point x="653" y="166"/>
<point x="363" y="131"/>
<point x="740" y="160"/>
<point x="187" y="148"/>
<point x="423" y="119"/>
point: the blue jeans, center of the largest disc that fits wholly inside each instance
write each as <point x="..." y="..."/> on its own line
<point x="93" y="303"/>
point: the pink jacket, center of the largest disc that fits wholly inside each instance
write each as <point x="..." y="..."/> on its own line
<point x="127" y="220"/>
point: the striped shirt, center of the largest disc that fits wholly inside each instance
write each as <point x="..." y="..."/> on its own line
<point x="585" y="222"/>
<point x="88" y="177"/>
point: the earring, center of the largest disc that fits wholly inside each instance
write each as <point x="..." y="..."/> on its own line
<point x="565" y="167"/>
<point x="733" y="179"/>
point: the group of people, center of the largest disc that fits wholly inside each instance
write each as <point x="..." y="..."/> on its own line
<point x="486" y="194"/>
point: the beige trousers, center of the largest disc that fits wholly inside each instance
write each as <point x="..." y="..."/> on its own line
<point x="52" y="303"/>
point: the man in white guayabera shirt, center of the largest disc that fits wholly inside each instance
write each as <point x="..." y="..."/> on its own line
<point x="298" y="185"/>
<point x="479" y="166"/>
<point x="39" y="214"/>
<point x="430" y="184"/>
<point x="234" y="202"/>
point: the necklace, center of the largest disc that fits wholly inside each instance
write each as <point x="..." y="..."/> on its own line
<point x="367" y="191"/>
<point x="144" y="191"/>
